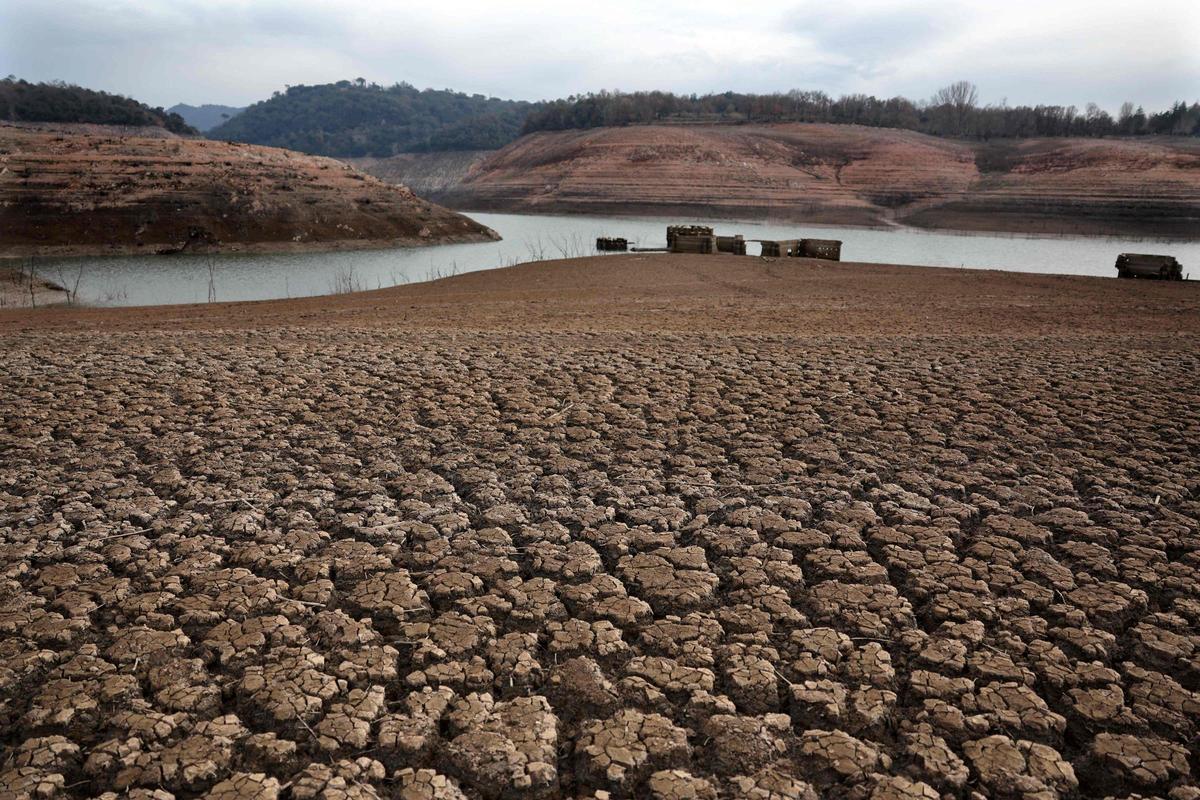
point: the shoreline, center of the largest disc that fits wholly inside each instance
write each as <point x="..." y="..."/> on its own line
<point x="15" y="290"/>
<point x="672" y="217"/>
<point x="65" y="268"/>
<point x="53" y="295"/>
<point x="72" y="251"/>
<point x="770" y="296"/>
<point x="1036" y="228"/>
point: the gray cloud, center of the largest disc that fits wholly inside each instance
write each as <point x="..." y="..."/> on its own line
<point x="867" y="40"/>
<point x="238" y="51"/>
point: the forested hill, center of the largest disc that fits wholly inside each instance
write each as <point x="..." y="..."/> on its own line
<point x="21" y="101"/>
<point x="354" y="119"/>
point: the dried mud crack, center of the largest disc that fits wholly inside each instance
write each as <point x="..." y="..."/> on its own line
<point x="374" y="556"/>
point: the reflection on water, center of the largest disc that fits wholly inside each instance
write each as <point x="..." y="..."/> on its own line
<point x="147" y="280"/>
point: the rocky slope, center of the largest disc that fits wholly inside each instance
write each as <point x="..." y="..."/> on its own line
<point x="90" y="192"/>
<point x="848" y="175"/>
<point x="427" y="174"/>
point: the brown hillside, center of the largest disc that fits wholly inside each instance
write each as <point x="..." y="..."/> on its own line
<point x="427" y="174"/>
<point x="849" y="175"/>
<point x="91" y="192"/>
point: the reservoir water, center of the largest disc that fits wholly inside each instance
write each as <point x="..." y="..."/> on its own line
<point x="151" y="279"/>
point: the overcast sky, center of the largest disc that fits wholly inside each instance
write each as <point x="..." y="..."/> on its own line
<point x="237" y="51"/>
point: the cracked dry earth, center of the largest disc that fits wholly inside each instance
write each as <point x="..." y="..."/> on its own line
<point x="367" y="555"/>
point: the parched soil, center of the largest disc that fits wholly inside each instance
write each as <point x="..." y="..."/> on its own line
<point x="666" y="527"/>
<point x="836" y="174"/>
<point x="70" y="192"/>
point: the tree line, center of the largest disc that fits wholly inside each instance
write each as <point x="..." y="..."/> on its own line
<point x="952" y="111"/>
<point x="55" y="101"/>
<point x="355" y="118"/>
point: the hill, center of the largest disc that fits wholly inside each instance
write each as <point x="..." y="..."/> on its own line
<point x="846" y="174"/>
<point x="206" y="117"/>
<point x="70" y="193"/>
<point x="22" y="101"/>
<point x="355" y="119"/>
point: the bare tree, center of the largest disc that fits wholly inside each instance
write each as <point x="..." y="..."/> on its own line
<point x="1069" y="117"/>
<point x="32" y="284"/>
<point x="960" y="98"/>
<point x="1125" y="117"/>
<point x="71" y="287"/>
<point x="345" y="281"/>
<point x="960" y="94"/>
<point x="212" y="280"/>
<point x="537" y="250"/>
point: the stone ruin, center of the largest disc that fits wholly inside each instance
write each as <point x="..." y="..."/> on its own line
<point x="700" y="239"/>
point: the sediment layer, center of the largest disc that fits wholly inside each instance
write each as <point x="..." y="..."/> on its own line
<point x="837" y="174"/>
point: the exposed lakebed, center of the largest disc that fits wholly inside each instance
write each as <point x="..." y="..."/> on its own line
<point x="149" y="280"/>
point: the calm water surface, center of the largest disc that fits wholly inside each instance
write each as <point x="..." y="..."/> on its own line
<point x="148" y="280"/>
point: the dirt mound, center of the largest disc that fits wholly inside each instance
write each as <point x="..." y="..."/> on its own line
<point x="846" y="174"/>
<point x="87" y="192"/>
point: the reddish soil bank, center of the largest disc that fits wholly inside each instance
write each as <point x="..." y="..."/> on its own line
<point x="95" y="192"/>
<point x="838" y="174"/>
<point x="665" y="527"/>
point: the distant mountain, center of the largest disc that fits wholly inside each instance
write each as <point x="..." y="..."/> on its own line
<point x="206" y="117"/>
<point x="355" y="119"/>
<point x="22" y="101"/>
